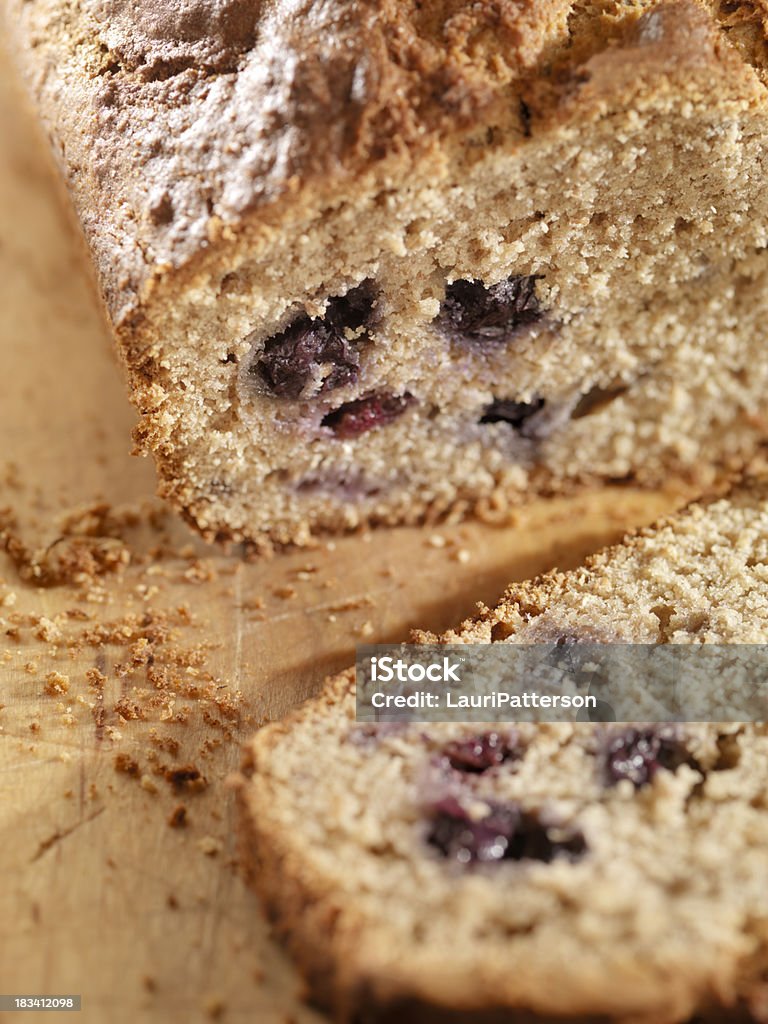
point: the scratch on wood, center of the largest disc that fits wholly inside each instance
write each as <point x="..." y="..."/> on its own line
<point x="60" y="834"/>
<point x="351" y="604"/>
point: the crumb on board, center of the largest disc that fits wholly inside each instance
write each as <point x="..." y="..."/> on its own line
<point x="214" y="1007"/>
<point x="96" y="679"/>
<point x="167" y="743"/>
<point x="56" y="684"/>
<point x="201" y="571"/>
<point x="147" y="784"/>
<point x="186" y="777"/>
<point x="210" y="846"/>
<point x="127" y="765"/>
<point x="436" y="540"/>
<point x="47" y="630"/>
<point x="178" y="817"/>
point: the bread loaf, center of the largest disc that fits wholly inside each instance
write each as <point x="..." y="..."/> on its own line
<point x="373" y="261"/>
<point x="596" y="869"/>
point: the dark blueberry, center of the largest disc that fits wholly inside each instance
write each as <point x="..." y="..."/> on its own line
<point x="479" y="753"/>
<point x="353" y="310"/>
<point x="507" y="832"/>
<point x="291" y="359"/>
<point x="517" y="414"/>
<point x="637" y="754"/>
<point x="472" y="312"/>
<point x="358" y="417"/>
<point x="566" y="639"/>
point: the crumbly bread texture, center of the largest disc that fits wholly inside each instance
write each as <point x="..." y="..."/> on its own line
<point x="373" y="261"/>
<point x="596" y="869"/>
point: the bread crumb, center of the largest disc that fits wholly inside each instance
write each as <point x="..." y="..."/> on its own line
<point x="436" y="541"/>
<point x="146" y="783"/>
<point x="167" y="743"/>
<point x="286" y="593"/>
<point x="178" y="817"/>
<point x="96" y="679"/>
<point x="187" y="777"/>
<point x="47" y="630"/>
<point x="210" y="846"/>
<point x="56" y="683"/>
<point x="127" y="765"/>
<point x="366" y="629"/>
<point x="200" y="572"/>
<point x="463" y="556"/>
<point x="214" y="1006"/>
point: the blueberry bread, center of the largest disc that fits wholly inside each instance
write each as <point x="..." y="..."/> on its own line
<point x="372" y="261"/>
<point x="596" y="869"/>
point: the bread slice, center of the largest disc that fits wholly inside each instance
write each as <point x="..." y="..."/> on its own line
<point x="376" y="261"/>
<point x="561" y="869"/>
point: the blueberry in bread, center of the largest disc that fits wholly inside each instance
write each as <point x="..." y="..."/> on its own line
<point x="372" y="261"/>
<point x="605" y="869"/>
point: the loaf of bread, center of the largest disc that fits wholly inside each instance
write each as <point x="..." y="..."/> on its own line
<point x="605" y="869"/>
<point x="375" y="261"/>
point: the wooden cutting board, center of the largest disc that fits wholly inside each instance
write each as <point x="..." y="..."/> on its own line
<point x="134" y="660"/>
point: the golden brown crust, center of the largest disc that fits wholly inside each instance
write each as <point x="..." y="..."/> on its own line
<point x="524" y="602"/>
<point x="177" y="123"/>
<point x="289" y="892"/>
<point x="284" y="96"/>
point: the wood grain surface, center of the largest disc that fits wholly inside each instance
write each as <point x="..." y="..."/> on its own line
<point x="134" y="661"/>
